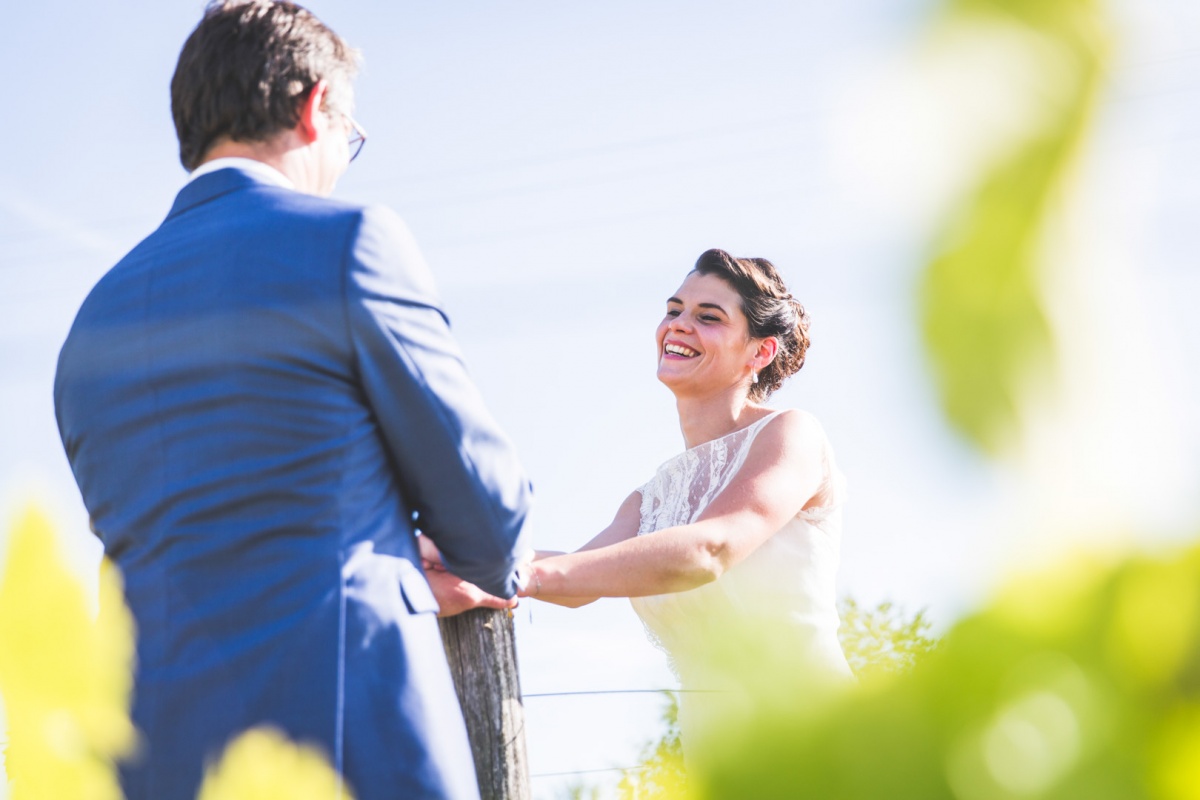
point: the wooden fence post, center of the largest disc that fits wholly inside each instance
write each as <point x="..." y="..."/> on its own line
<point x="482" y="652"/>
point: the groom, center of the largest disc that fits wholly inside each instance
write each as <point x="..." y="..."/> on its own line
<point x="259" y="403"/>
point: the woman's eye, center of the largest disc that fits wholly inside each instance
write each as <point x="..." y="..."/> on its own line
<point x="710" y="318"/>
<point x="672" y="312"/>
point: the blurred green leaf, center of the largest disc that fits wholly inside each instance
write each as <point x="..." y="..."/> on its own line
<point x="264" y="764"/>
<point x="982" y="315"/>
<point x="65" y="675"/>
<point x="879" y="642"/>
<point x="882" y="641"/>
<point x="662" y="776"/>
<point x="1006" y="707"/>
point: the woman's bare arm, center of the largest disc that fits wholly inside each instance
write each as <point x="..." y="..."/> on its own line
<point x="624" y="526"/>
<point x="782" y="473"/>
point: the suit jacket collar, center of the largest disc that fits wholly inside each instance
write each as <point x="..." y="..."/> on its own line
<point x="210" y="186"/>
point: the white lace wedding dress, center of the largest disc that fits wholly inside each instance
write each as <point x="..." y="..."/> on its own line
<point x="784" y="589"/>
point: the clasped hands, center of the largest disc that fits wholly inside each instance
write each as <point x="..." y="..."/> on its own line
<point x="455" y="595"/>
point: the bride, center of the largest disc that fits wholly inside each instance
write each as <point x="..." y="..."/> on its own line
<point x="740" y="532"/>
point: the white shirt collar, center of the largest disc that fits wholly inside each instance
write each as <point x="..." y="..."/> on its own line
<point x="258" y="169"/>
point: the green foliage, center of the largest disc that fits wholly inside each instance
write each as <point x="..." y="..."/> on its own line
<point x="581" y="790"/>
<point x="662" y="776"/>
<point x="878" y="642"/>
<point x="65" y="675"/>
<point x="263" y="764"/>
<point x="1083" y="682"/>
<point x="882" y="641"/>
<point x="982" y="312"/>
<point x="66" y="678"/>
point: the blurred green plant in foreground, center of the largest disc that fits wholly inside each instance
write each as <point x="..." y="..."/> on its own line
<point x="66" y="679"/>
<point x="877" y="642"/>
<point x="662" y="775"/>
<point x="1032" y="98"/>
<point x="1080" y="682"/>
<point x="882" y="641"/>
<point x="262" y="764"/>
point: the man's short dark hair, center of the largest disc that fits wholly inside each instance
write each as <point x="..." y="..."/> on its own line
<point x="247" y="69"/>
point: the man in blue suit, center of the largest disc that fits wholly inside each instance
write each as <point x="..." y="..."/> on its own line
<point x="257" y="403"/>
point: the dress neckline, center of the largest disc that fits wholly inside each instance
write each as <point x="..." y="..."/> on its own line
<point x="739" y="430"/>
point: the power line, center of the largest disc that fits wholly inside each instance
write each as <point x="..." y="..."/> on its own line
<point x="611" y="176"/>
<point x="610" y="769"/>
<point x="510" y="234"/>
<point x="572" y="226"/>
<point x="561" y="156"/>
<point x="101" y="224"/>
<point x="573" y="154"/>
<point x="621" y="691"/>
<point x="1177" y="56"/>
<point x="11" y="262"/>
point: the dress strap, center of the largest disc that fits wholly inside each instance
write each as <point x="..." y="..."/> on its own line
<point x="752" y="430"/>
<point x="757" y="426"/>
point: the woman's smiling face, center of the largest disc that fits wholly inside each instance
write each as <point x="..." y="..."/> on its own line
<point x="704" y="342"/>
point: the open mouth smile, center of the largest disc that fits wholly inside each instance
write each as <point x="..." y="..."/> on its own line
<point x="678" y="351"/>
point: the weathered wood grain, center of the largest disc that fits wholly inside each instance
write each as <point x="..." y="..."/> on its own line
<point x="481" y="648"/>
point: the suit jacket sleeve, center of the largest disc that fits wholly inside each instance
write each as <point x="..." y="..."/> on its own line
<point x="453" y="461"/>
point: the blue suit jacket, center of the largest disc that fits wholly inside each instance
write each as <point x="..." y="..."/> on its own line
<point x="256" y="402"/>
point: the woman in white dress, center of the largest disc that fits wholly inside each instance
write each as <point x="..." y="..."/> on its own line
<point x="741" y="531"/>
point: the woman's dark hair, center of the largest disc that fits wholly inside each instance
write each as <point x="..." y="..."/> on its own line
<point x="769" y="308"/>
<point x="247" y="69"/>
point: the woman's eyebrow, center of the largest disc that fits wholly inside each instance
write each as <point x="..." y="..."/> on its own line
<point x="701" y="305"/>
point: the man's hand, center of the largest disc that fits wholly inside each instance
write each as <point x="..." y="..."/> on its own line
<point x="431" y="558"/>
<point x="454" y="595"/>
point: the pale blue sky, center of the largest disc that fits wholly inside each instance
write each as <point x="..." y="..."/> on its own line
<point x="562" y="165"/>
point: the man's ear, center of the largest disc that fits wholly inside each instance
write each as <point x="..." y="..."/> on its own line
<point x="307" y="126"/>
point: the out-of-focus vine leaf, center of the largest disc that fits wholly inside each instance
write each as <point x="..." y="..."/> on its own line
<point x="982" y="312"/>
<point x="662" y="776"/>
<point x="882" y="641"/>
<point x="263" y="764"/>
<point x="65" y="676"/>
<point x="1102" y="702"/>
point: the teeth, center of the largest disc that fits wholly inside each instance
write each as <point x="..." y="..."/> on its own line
<point x="680" y="350"/>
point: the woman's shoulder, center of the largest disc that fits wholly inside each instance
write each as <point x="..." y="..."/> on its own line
<point x="786" y="430"/>
<point x="788" y="427"/>
<point x="800" y="439"/>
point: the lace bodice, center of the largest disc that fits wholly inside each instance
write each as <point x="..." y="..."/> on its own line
<point x="789" y="579"/>
<point x="685" y="485"/>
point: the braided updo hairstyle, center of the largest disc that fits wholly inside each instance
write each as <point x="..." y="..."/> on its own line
<point x="769" y="308"/>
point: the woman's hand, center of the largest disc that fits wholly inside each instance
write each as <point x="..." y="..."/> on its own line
<point x="624" y="526"/>
<point x="533" y="582"/>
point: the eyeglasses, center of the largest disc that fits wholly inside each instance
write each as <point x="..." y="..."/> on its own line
<point x="357" y="137"/>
